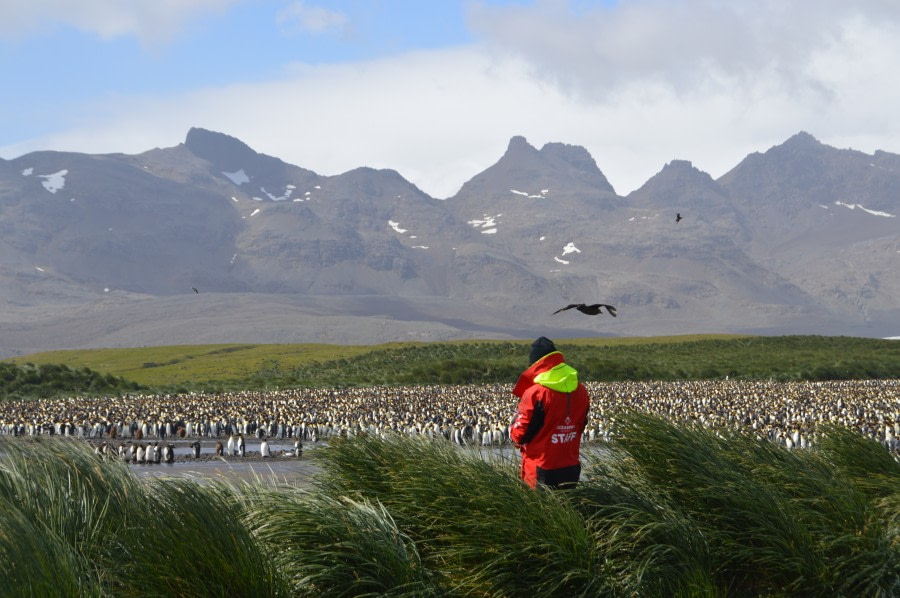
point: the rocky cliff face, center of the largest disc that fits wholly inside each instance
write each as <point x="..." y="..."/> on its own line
<point x="802" y="238"/>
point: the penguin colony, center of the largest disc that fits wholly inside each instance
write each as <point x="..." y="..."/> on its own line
<point x="785" y="413"/>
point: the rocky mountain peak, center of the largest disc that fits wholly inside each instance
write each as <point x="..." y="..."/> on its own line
<point x="681" y="169"/>
<point x="798" y="147"/>
<point x="523" y="167"/>
<point x="378" y="182"/>
<point x="578" y="158"/>
<point x="222" y="150"/>
<point x="231" y="158"/>
<point x="676" y="177"/>
<point x="519" y="149"/>
<point x="680" y="165"/>
<point x="802" y="140"/>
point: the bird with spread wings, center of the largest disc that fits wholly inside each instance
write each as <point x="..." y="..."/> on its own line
<point x="591" y="310"/>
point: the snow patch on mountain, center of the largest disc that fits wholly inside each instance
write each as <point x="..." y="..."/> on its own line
<point x="54" y="182"/>
<point x="541" y="195"/>
<point x="396" y="227"/>
<point x="569" y="248"/>
<point x="487" y="223"/>
<point x="239" y="177"/>
<point x="853" y="206"/>
<point x="288" y="190"/>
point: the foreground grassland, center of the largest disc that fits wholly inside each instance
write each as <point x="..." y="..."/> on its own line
<point x="663" y="510"/>
<point x="251" y="367"/>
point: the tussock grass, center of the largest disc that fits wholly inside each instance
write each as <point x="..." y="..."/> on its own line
<point x="191" y="534"/>
<point x="88" y="524"/>
<point x="35" y="561"/>
<point x="758" y="538"/>
<point x="664" y="510"/>
<point x="53" y="380"/>
<point x="793" y="521"/>
<point x="471" y="516"/>
<point x="68" y="510"/>
<point x="336" y="546"/>
<point x="650" y="546"/>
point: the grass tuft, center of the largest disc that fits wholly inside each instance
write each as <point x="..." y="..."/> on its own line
<point x="664" y="510"/>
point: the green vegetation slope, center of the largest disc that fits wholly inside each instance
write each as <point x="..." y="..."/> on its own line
<point x="237" y="367"/>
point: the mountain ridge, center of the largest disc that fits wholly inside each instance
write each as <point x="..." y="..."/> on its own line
<point x="801" y="238"/>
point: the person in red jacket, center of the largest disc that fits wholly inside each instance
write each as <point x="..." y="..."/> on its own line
<point x="549" y="422"/>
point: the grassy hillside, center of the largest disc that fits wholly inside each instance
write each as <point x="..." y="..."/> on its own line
<point x="189" y="364"/>
<point x="197" y="364"/>
<point x="231" y="367"/>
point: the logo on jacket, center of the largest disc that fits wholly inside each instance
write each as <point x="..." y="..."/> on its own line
<point x="562" y="438"/>
<point x="564" y="434"/>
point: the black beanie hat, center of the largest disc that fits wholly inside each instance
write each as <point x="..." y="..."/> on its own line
<point x="541" y="347"/>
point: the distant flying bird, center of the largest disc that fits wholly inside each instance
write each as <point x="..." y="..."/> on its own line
<point x="678" y="217"/>
<point x="591" y="310"/>
<point x="195" y="290"/>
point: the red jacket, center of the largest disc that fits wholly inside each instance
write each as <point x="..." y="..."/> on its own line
<point x="547" y="428"/>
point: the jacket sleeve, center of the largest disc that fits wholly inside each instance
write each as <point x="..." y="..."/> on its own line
<point x="528" y="421"/>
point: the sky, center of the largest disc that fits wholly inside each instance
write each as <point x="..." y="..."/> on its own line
<point x="436" y="89"/>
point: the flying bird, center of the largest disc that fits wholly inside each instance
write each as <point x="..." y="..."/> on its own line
<point x="195" y="290"/>
<point x="678" y="217"/>
<point x="591" y="310"/>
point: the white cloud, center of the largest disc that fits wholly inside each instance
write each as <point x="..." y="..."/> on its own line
<point x="151" y="21"/>
<point x="637" y="83"/>
<point x="691" y="46"/>
<point x="299" y="17"/>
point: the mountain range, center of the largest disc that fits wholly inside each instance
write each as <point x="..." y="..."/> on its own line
<point x="210" y="241"/>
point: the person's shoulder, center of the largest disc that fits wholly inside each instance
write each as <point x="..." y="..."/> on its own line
<point x="537" y="391"/>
